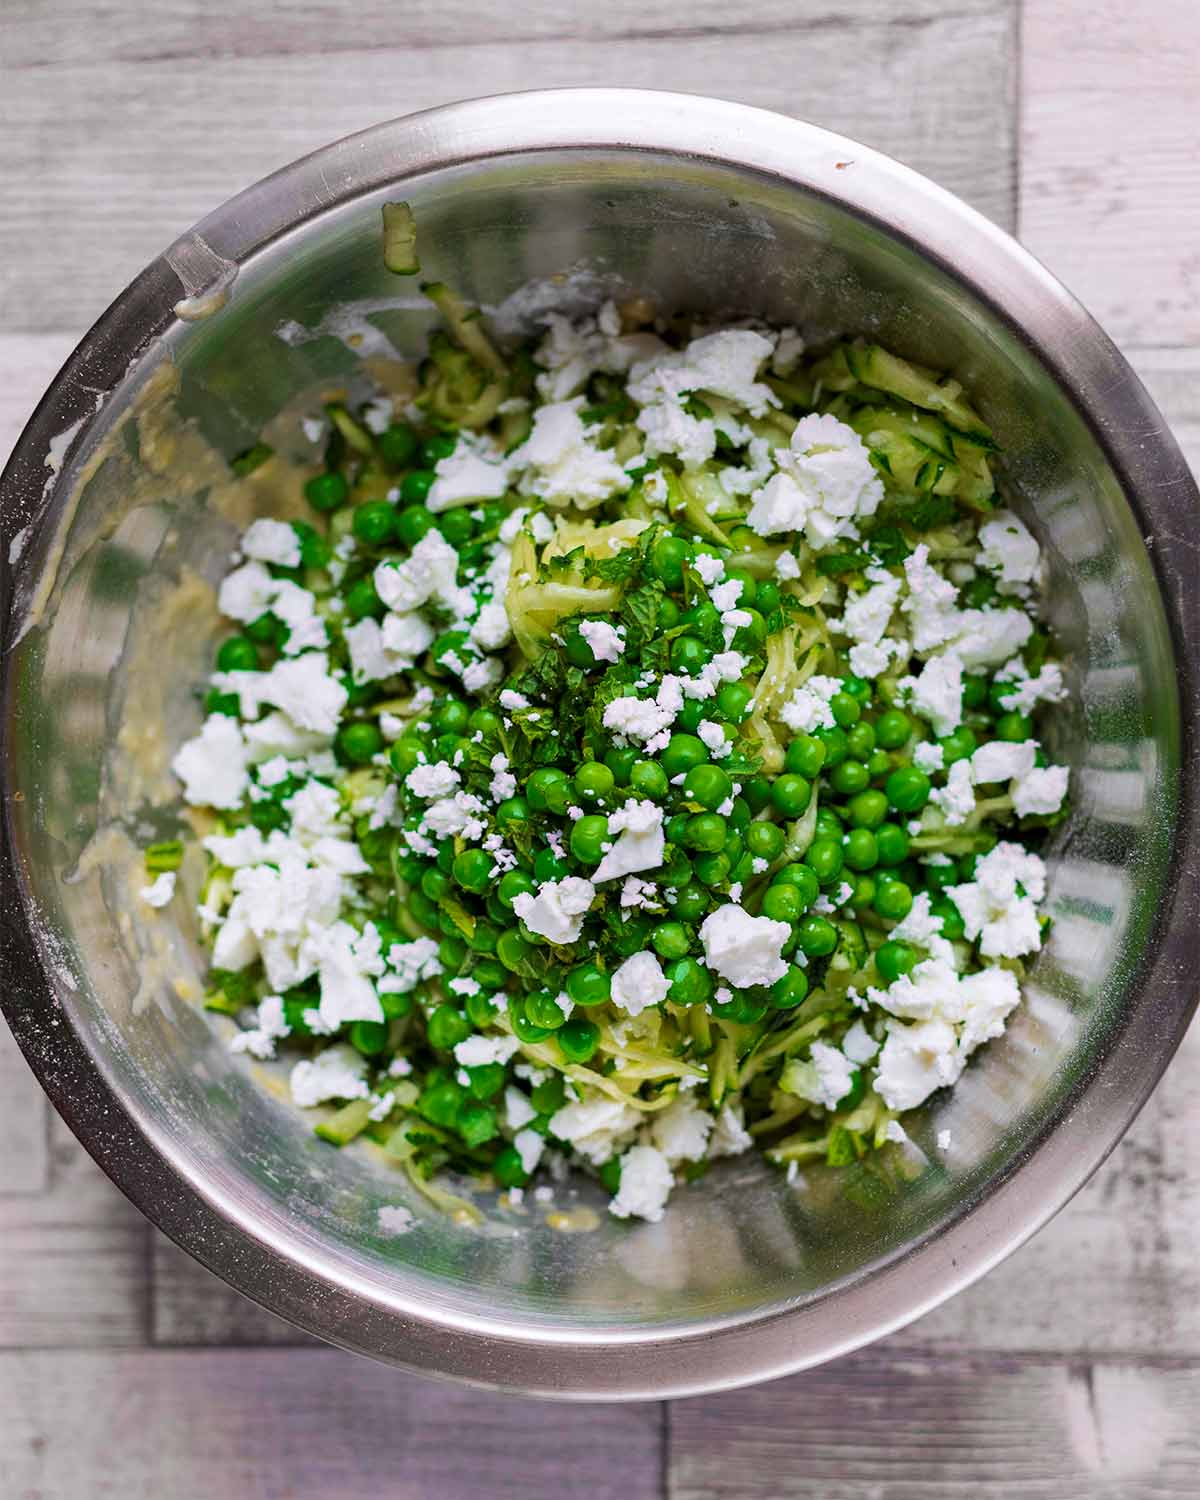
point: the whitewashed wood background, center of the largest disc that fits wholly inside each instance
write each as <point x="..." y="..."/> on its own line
<point x="1073" y="1370"/>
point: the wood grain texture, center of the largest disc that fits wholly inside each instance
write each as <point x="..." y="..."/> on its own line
<point x="1173" y="379"/>
<point x="24" y="1123"/>
<point x="128" y="155"/>
<point x="1109" y="195"/>
<point x="301" y="1424"/>
<point x="73" y="1259"/>
<point x="891" y="1426"/>
<point x="189" y="1305"/>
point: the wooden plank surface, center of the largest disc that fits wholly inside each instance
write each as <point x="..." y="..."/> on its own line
<point x="189" y="1305"/>
<point x="305" y="1425"/>
<point x="1110" y="132"/>
<point x="24" y="1125"/>
<point x="891" y="1426"/>
<point x="128" y="155"/>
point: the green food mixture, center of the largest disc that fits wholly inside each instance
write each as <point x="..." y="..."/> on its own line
<point x="632" y="761"/>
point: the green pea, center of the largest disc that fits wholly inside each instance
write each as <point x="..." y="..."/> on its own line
<point x="711" y="869"/>
<point x="691" y="715"/>
<point x="749" y="638"/>
<point x="441" y="1102"/>
<point x="266" y="631"/>
<point x="578" y="1039"/>
<point x="861" y="850"/>
<point x="1014" y="728"/>
<point x="397" y="445"/>
<point x="974" y="690"/>
<point x="437" y="886"/>
<point x="667" y="559"/>
<point x="514" y="883"/>
<point x="326" y="491"/>
<point x="222" y="703"/>
<point x="849" y="778"/>
<point x="690" y="983"/>
<point x="314" y="549"/>
<point x="485" y="938"/>
<point x="682" y="753"/>
<point x="864" y="891"/>
<point x="817" y="937"/>
<point x="361" y="599"/>
<point x="960" y="745"/>
<point x="670" y="940"/>
<point x="452" y="716"/>
<point x="594" y="781"/>
<point x="396" y="1007"/>
<point x="940" y="877"/>
<point x="525" y="1029"/>
<point x="782" y="903"/>
<point x="490" y="973"/>
<point x="893" y="959"/>
<point x="588" y="985"/>
<point x="765" y="840"/>
<point x="845" y="709"/>
<point x="860" y="740"/>
<point x="805" y="755"/>
<point x="757" y="793"/>
<point x="588" y="836"/>
<point x="803" y="879"/>
<point x="434" y="449"/>
<point x="648" y="779"/>
<point x="369" y="1037"/>
<point x="374" y="523"/>
<point x="828" y="824"/>
<point x="868" y="809"/>
<point x="549" y="1095"/>
<point x="414" y="522"/>
<point x="834" y="741"/>
<point x="237" y="654"/>
<point x="707" y="785"/>
<point x="476" y="1123"/>
<point x="481" y="1011"/>
<point x="791" y="794"/>
<point x="908" y="789"/>
<point x="893" y="899"/>
<point x="691" y="902"/>
<point x="621" y="764"/>
<point x="415" y="486"/>
<point x="513" y="950"/>
<point x="446" y="1027"/>
<point x="738" y="816"/>
<point x="749" y="593"/>
<point x="473" y="870"/>
<point x="705" y="832"/>
<point x="688" y="654"/>
<point x="548" y="866"/>
<point x="733" y="701"/>
<point x="953" y="926"/>
<point x="360" y="741"/>
<point x="485" y="722"/>
<point x="267" y="815"/>
<point x="542" y="1009"/>
<point x="892" y="842"/>
<point x="788" y="992"/>
<point x="893" y="729"/>
<point x="824" y="859"/>
<point x="512" y="810"/>
<point x="548" y="790"/>
<point x="508" y="1169"/>
<point x="487" y="1079"/>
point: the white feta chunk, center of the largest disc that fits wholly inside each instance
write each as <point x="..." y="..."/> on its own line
<point x="743" y="949"/>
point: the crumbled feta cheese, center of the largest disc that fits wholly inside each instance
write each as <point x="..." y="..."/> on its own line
<point x="1041" y="790"/>
<point x="1008" y="550"/>
<point x="512" y="700"/>
<point x="943" y="1140"/>
<point x="1002" y="918"/>
<point x="478" y="1051"/>
<point x="557" y="911"/>
<point x="865" y="616"/>
<point x="682" y="1130"/>
<point x="465" y="475"/>
<point x="212" y="766"/>
<point x="936" y="694"/>
<point x="160" y="890"/>
<point x="503" y="783"/>
<point x="730" y="1136"/>
<point x="787" y="567"/>
<point x="491" y="630"/>
<point x="269" y="1027"/>
<point x="605" y="640"/>
<point x="460" y="814"/>
<point x="639" y="983"/>
<point x="301" y="686"/>
<point x="409" y="964"/>
<point x="826" y="482"/>
<point x="858" y="1044"/>
<point x="929" y="757"/>
<point x="1003" y="760"/>
<point x="711" y="569"/>
<point x="957" y="798"/>
<point x="394" y="1219"/>
<point x="595" y="1126"/>
<point x="743" y="949"/>
<point x="713" y="736"/>
<point x="724" y="363"/>
<point x="517" y="1109"/>
<point x="1027" y="692"/>
<point x="272" y="542"/>
<point x="561" y="466"/>
<point x="529" y="1147"/>
<point x="336" y="1073"/>
<point x="640" y="843"/>
<point x="430" y="781"/>
<point x="646" y="1182"/>
<point x="915" y="1061"/>
<point x="835" y="1074"/>
<point x="637" y="892"/>
<point x="429" y="573"/>
<point x="808" y="708"/>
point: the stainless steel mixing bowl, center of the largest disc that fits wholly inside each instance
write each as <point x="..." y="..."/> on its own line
<point x="524" y="202"/>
